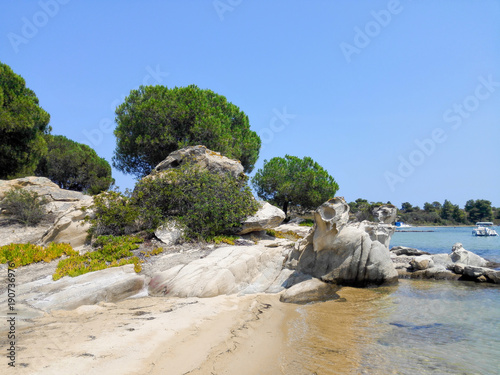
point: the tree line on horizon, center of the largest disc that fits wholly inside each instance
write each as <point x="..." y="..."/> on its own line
<point x="433" y="213"/>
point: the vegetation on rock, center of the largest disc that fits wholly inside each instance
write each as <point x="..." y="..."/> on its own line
<point x="293" y="181"/>
<point x="154" y="121"/>
<point x="23" y="206"/>
<point x="74" y="166"/>
<point x="205" y="203"/>
<point x="112" y="251"/>
<point x="24" y="254"/>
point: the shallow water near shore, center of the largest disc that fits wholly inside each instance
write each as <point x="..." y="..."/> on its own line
<point x="416" y="327"/>
<point x="441" y="239"/>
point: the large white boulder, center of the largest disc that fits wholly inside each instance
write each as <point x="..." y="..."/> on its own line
<point x="203" y="157"/>
<point x="267" y="217"/>
<point x="227" y="270"/>
<point x="345" y="254"/>
<point x="460" y="255"/>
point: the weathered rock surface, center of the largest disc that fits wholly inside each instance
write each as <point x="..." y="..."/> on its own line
<point x="169" y="233"/>
<point x="109" y="285"/>
<point x="403" y="250"/>
<point x="227" y="270"/>
<point x="64" y="215"/>
<point x="459" y="264"/>
<point x="422" y="262"/>
<point x="460" y="255"/>
<point x="341" y="253"/>
<point x="313" y="290"/>
<point x="267" y="217"/>
<point x="377" y="232"/>
<point x="205" y="158"/>
<point x="385" y="214"/>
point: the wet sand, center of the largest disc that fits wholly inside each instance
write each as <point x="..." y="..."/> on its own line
<point x="253" y="334"/>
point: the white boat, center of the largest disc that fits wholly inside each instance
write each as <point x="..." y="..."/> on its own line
<point x="483" y="229"/>
<point x="400" y="224"/>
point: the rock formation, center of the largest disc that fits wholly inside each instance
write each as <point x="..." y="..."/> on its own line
<point x="347" y="254"/>
<point x="64" y="215"/>
<point x="385" y="214"/>
<point x="202" y="156"/>
<point x="267" y="217"/>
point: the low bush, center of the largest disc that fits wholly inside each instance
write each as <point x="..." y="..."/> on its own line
<point x="25" y="207"/>
<point x="205" y="203"/>
<point x="290" y="235"/>
<point x="23" y="254"/>
<point x="112" y="252"/>
<point x="113" y="214"/>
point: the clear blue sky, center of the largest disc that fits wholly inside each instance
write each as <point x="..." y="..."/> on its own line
<point x="356" y="85"/>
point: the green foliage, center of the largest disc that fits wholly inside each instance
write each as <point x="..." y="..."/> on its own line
<point x="290" y="235"/>
<point x="22" y="126"/>
<point x="113" y="214"/>
<point x="307" y="223"/>
<point x="74" y="166"/>
<point x="479" y="210"/>
<point x="112" y="252"/>
<point x="292" y="181"/>
<point x="223" y="239"/>
<point x="155" y="121"/>
<point x="205" y="203"/>
<point x="24" y="254"/>
<point x="447" y="210"/>
<point x="361" y="209"/>
<point x="24" y="206"/>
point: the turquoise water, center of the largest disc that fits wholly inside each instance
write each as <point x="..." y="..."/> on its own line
<point x="434" y="327"/>
<point x="441" y="239"/>
<point x="415" y="327"/>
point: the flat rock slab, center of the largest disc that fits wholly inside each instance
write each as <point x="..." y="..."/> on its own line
<point x="109" y="285"/>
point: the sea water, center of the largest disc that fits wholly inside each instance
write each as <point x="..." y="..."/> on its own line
<point x="415" y="327"/>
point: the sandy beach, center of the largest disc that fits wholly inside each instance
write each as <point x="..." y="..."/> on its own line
<point x="253" y="334"/>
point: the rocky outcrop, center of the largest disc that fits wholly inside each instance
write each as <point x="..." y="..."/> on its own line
<point x="65" y="210"/>
<point x="313" y="290"/>
<point x="403" y="250"/>
<point x="267" y="217"/>
<point x="385" y="214"/>
<point x="460" y="255"/>
<point x="202" y="156"/>
<point x="227" y="270"/>
<point x="347" y="254"/>
<point x="377" y="232"/>
<point x="109" y="285"/>
<point x="460" y="264"/>
<point x="169" y="233"/>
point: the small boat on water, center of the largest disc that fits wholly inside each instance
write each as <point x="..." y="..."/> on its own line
<point x="400" y="224"/>
<point x="483" y="229"/>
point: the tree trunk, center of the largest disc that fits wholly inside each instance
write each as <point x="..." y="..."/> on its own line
<point x="285" y="209"/>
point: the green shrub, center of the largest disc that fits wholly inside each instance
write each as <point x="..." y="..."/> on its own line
<point x="24" y="254"/>
<point x="206" y="203"/>
<point x="113" y="214"/>
<point x="307" y="223"/>
<point x="24" y="206"/>
<point x="112" y="252"/>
